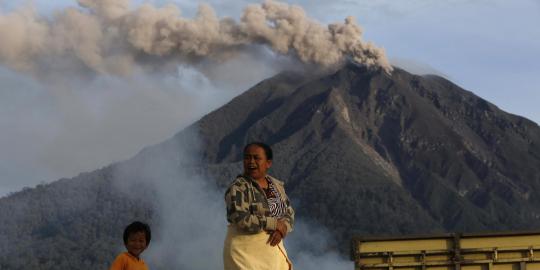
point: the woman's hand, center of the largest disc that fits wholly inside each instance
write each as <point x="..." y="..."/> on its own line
<point x="277" y="235"/>
<point x="281" y="227"/>
<point x="275" y="238"/>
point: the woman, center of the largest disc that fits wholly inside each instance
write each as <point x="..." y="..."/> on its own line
<point x="259" y="214"/>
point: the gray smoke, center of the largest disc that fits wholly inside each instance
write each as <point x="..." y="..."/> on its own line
<point x="190" y="223"/>
<point x="107" y="37"/>
<point x="63" y="124"/>
<point x="67" y="125"/>
<point x="66" y="68"/>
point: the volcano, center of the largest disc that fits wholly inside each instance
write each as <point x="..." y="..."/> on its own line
<point x="361" y="152"/>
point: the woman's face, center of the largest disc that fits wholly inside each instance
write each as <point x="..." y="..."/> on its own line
<point x="255" y="163"/>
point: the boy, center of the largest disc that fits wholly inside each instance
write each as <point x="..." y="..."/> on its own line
<point x="137" y="236"/>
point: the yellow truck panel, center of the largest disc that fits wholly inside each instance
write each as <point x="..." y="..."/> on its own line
<point x="488" y="251"/>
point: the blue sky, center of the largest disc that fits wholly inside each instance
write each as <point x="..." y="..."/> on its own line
<point x="491" y="48"/>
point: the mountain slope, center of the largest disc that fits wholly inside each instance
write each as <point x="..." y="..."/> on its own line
<point x="360" y="151"/>
<point x="368" y="152"/>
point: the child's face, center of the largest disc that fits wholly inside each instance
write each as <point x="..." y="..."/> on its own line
<point x="136" y="243"/>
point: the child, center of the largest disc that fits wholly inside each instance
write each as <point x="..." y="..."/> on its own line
<point x="137" y="236"/>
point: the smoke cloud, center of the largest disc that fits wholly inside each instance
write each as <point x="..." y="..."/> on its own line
<point x="190" y="224"/>
<point x="107" y="37"/>
<point x="93" y="83"/>
<point x="63" y="124"/>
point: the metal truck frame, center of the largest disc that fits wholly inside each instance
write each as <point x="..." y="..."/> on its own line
<point x="482" y="251"/>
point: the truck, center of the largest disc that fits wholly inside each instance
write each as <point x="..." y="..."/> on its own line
<point x="450" y="251"/>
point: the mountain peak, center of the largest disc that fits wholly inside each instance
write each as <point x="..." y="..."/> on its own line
<point x="422" y="135"/>
<point x="361" y="152"/>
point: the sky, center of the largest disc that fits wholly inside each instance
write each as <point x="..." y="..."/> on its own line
<point x="63" y="123"/>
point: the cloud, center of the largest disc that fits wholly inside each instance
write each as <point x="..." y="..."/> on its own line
<point x="63" y="126"/>
<point x="416" y="67"/>
<point x="107" y="37"/>
<point x="96" y="81"/>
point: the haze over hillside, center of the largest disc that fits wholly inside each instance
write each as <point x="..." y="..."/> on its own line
<point x="360" y="151"/>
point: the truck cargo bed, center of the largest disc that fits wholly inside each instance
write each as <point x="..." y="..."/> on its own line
<point x="487" y="251"/>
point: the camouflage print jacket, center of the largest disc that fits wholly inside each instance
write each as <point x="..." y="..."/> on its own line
<point x="248" y="209"/>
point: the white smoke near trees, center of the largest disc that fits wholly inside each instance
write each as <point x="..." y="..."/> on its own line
<point x="107" y="37"/>
<point x="190" y="223"/>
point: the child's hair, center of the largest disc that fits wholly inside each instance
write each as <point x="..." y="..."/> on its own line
<point x="135" y="227"/>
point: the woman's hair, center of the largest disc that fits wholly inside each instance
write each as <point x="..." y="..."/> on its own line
<point x="136" y="227"/>
<point x="265" y="147"/>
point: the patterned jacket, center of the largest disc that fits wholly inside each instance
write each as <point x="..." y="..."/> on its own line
<point x="248" y="209"/>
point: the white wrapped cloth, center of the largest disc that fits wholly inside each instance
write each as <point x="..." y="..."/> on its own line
<point x="244" y="251"/>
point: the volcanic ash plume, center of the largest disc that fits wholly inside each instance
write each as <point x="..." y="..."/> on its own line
<point x="106" y="36"/>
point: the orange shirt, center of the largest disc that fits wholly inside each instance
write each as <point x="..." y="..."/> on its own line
<point x="126" y="261"/>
